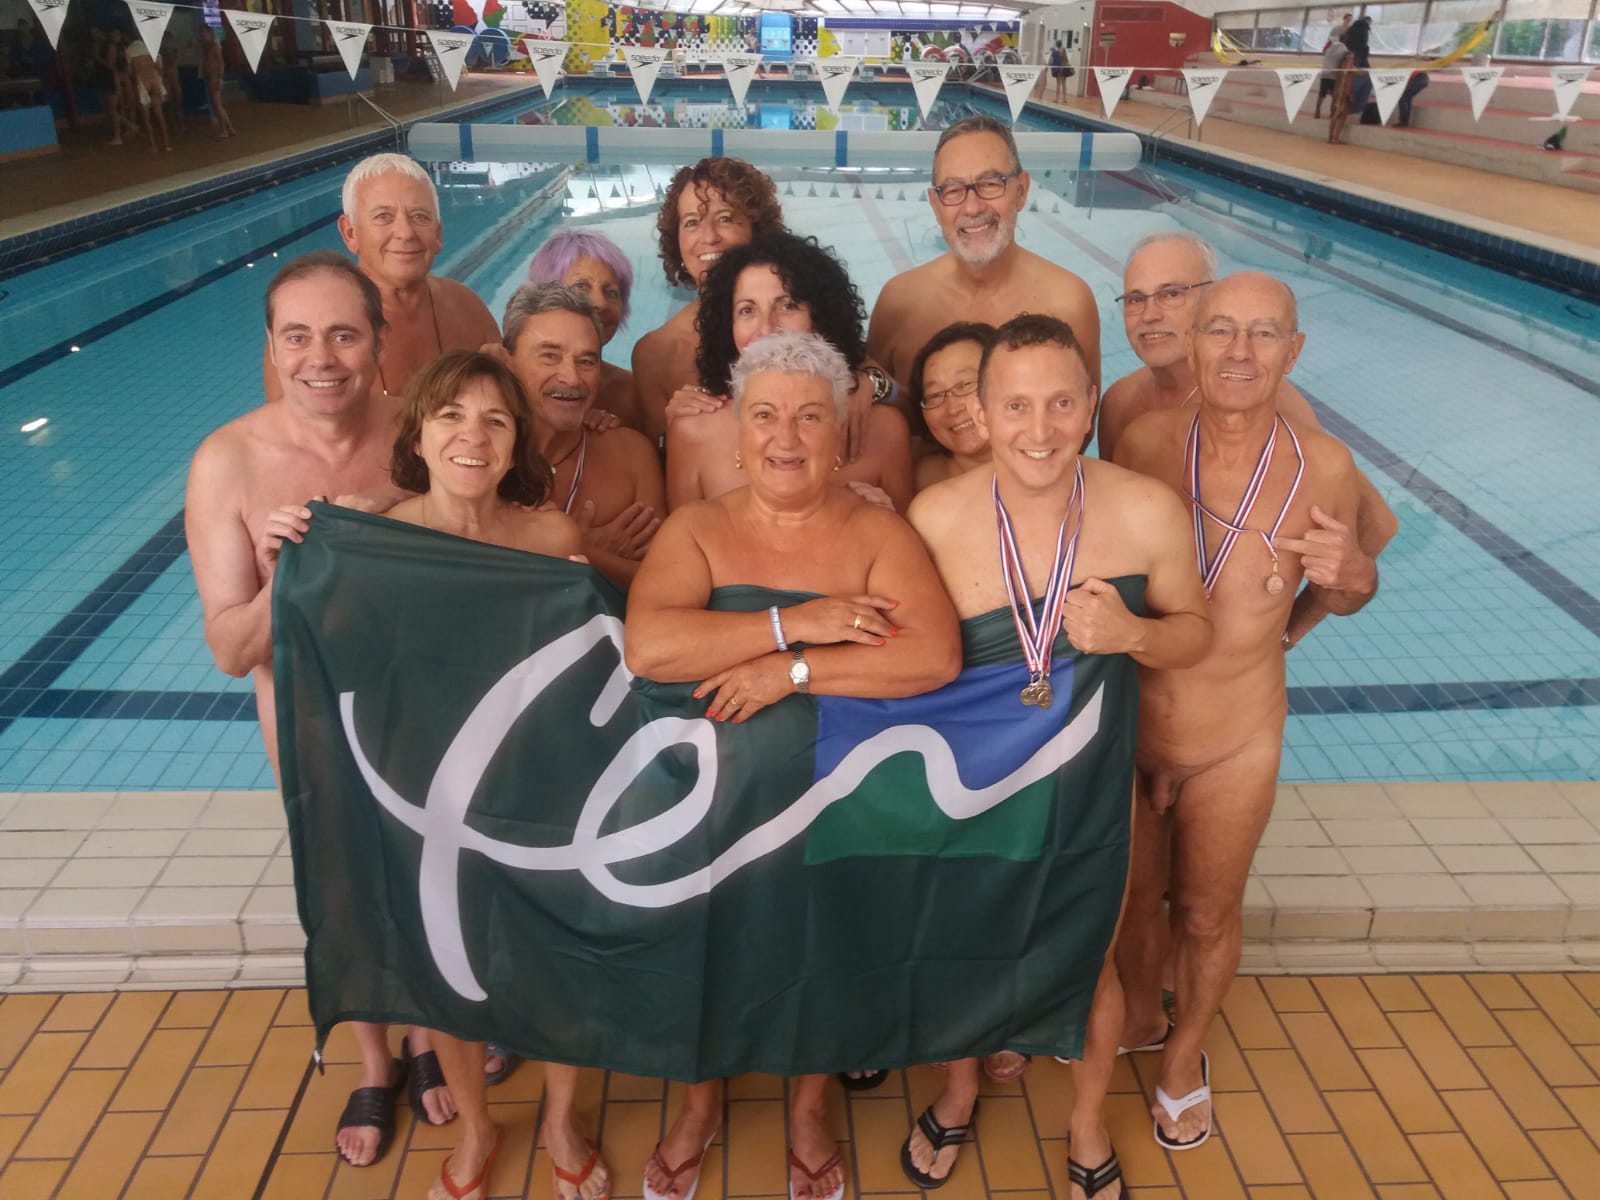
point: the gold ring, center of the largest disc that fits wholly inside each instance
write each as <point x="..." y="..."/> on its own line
<point x="735" y="702"/>
<point x="856" y="624"/>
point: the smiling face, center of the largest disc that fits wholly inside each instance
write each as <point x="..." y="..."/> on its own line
<point x="789" y="436"/>
<point x="978" y="231"/>
<point x="321" y="343"/>
<point x="950" y="378"/>
<point x="557" y="360"/>
<point x="598" y="284"/>
<point x="762" y="305"/>
<point x="1037" y="405"/>
<point x="395" y="234"/>
<point x="468" y="442"/>
<point x="707" y="226"/>
<point x="1160" y="336"/>
<point x="1244" y="342"/>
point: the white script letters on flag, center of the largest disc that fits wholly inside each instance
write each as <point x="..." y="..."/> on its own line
<point x="739" y="70"/>
<point x="452" y="51"/>
<point x="926" y="79"/>
<point x="1203" y="88"/>
<point x="251" y="29"/>
<point x="1296" y="83"/>
<point x="1386" y="89"/>
<point x="1480" y="86"/>
<point x="644" y="65"/>
<point x="546" y="58"/>
<point x="835" y="74"/>
<point x="351" y="38"/>
<point x="51" y="14"/>
<point x="1568" y="83"/>
<point x="151" y="18"/>
<point x="1019" y="83"/>
<point x="1113" y="82"/>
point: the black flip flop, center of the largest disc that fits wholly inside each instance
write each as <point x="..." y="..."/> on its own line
<point x="939" y="1136"/>
<point x="1096" y="1181"/>
<point x="861" y="1081"/>
<point x="372" y="1107"/>
<point x="423" y="1074"/>
<point x="508" y="1062"/>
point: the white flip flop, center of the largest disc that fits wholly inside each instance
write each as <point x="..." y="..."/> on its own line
<point x="1176" y="1108"/>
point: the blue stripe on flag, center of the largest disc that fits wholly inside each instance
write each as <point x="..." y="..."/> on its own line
<point x="466" y="141"/>
<point x="1085" y="150"/>
<point x="591" y="137"/>
<point x="841" y="149"/>
<point x="716" y="143"/>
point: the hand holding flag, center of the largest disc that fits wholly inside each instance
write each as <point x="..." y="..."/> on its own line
<point x="1096" y="621"/>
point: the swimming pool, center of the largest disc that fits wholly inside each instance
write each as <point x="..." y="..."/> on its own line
<point x="1467" y="395"/>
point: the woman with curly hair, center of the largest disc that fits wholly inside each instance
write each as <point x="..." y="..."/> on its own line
<point x="709" y="208"/>
<point x="780" y="282"/>
<point x="594" y="266"/>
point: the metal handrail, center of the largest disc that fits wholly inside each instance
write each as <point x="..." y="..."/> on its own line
<point x="1166" y="126"/>
<point x="393" y="121"/>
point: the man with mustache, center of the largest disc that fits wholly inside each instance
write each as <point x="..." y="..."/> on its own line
<point x="610" y="482"/>
<point x="978" y="189"/>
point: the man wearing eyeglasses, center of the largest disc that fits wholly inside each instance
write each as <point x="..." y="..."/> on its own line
<point x="978" y="189"/>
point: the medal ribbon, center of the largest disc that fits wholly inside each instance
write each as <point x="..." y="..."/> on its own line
<point x="577" y="473"/>
<point x="1211" y="571"/>
<point x="1037" y="636"/>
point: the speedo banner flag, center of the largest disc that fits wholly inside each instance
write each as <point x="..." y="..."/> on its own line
<point x="498" y="833"/>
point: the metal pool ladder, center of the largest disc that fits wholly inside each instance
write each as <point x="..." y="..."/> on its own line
<point x="353" y="117"/>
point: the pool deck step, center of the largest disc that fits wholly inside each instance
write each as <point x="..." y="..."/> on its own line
<point x="196" y="889"/>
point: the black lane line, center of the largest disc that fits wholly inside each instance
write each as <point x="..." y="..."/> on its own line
<point x="283" y="1132"/>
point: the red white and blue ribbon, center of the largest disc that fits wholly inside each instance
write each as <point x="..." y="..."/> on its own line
<point x="1211" y="570"/>
<point x="577" y="472"/>
<point x="1037" y="635"/>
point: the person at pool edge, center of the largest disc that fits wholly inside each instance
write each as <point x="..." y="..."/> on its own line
<point x="978" y="189"/>
<point x="1135" y="594"/>
<point x="1271" y="502"/>
<point x="328" y="435"/>
<point x="1165" y="276"/>
<point x="390" y="222"/>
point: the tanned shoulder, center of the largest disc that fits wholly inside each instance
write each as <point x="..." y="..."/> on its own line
<point x="1146" y="438"/>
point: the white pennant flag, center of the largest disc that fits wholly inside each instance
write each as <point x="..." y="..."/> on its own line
<point x="1113" y="82"/>
<point x="1386" y="89"/>
<point x="51" y="14"/>
<point x="1296" y="83"/>
<point x="643" y="65"/>
<point x="351" y="38"/>
<point x="1203" y="88"/>
<point x="151" y="18"/>
<point x="926" y="80"/>
<point x="1019" y="83"/>
<point x="452" y="51"/>
<point x="739" y="70"/>
<point x="251" y="29"/>
<point x="1568" y="83"/>
<point x="835" y="74"/>
<point x="546" y="58"/>
<point x="1480" y="86"/>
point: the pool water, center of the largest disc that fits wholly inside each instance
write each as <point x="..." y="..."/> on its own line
<point x="1468" y="397"/>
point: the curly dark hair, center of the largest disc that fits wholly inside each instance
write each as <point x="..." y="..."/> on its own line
<point x="748" y="189"/>
<point x="962" y="331"/>
<point x="813" y="276"/>
<point x="439" y="383"/>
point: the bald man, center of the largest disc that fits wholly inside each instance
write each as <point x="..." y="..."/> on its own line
<point x="1210" y="735"/>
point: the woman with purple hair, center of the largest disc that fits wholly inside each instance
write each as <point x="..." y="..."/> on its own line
<point x="593" y="265"/>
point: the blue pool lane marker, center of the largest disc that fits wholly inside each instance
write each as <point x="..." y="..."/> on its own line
<point x="591" y="143"/>
<point x="841" y="149"/>
<point x="716" y="143"/>
<point x="466" y="142"/>
<point x="1085" y="151"/>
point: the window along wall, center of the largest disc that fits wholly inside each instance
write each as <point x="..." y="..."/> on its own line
<point x="1536" y="30"/>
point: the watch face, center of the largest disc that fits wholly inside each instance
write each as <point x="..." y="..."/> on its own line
<point x="799" y="672"/>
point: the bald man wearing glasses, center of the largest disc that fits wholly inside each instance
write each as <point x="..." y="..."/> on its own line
<point x="978" y="189"/>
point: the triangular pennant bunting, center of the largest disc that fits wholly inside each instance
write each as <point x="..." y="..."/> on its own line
<point x="643" y="65"/>
<point x="51" y="14"/>
<point x="1386" y="89"/>
<point x="1018" y="83"/>
<point x="1568" y="82"/>
<point x="926" y="80"/>
<point x="1113" y="82"/>
<point x="251" y="29"/>
<point x="1296" y="83"/>
<point x="835" y="74"/>
<point x="739" y="70"/>
<point x="351" y="38"/>
<point x="1480" y="86"/>
<point x="546" y="58"/>
<point x="151" y="18"/>
<point x="1203" y="87"/>
<point x="452" y="51"/>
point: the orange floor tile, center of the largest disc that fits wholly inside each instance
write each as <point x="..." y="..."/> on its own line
<point x="1330" y="1088"/>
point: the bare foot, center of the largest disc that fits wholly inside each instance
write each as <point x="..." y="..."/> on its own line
<point x="948" y="1112"/>
<point x="358" y="1144"/>
<point x="1193" y="1122"/>
<point x="1132" y="1037"/>
<point x="820" y="1172"/>
<point x="1004" y="1066"/>
<point x="468" y="1162"/>
<point x="685" y="1141"/>
<point x="579" y="1173"/>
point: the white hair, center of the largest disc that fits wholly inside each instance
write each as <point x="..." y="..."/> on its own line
<point x="792" y="353"/>
<point x="383" y="164"/>
<point x="1208" y="256"/>
<point x="531" y="299"/>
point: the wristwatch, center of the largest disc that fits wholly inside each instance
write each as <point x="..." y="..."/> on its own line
<point x="800" y="672"/>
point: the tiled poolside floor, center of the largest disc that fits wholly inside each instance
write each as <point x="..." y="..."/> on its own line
<point x="1430" y="1087"/>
